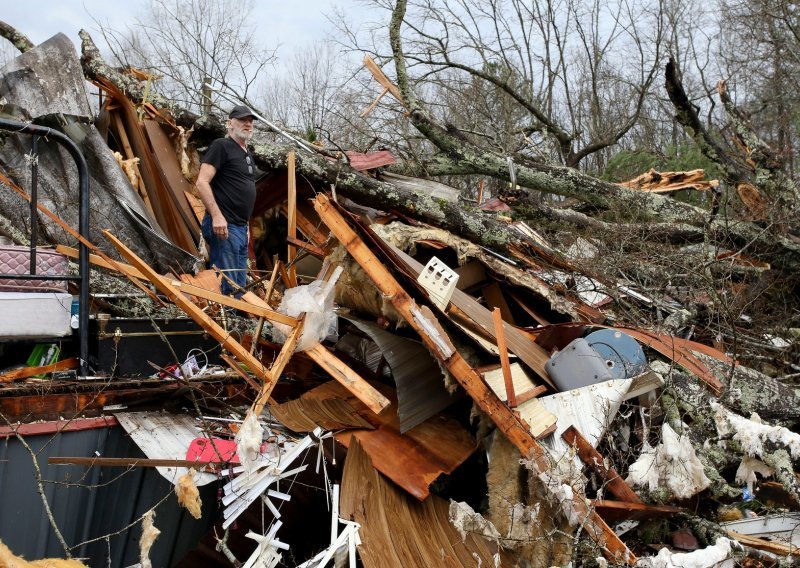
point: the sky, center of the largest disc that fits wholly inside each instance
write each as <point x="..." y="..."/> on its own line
<point x="293" y="25"/>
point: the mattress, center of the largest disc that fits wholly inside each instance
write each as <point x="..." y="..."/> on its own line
<point x="28" y="315"/>
<point x="17" y="260"/>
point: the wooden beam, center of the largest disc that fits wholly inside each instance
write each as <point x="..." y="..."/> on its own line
<point x="121" y="267"/>
<point x="249" y="303"/>
<point x="594" y="460"/>
<point x="531" y="393"/>
<point x="291" y="206"/>
<point x="623" y="510"/>
<point x="246" y="304"/>
<point x="511" y="397"/>
<point x="515" y="429"/>
<point x="351" y="380"/>
<point x="312" y="249"/>
<point x="309" y="229"/>
<point x="84" y="241"/>
<point x="493" y="295"/>
<point x="775" y="547"/>
<point x="225" y="339"/>
<point x="280" y="363"/>
<point x="133" y="462"/>
<point x="382" y="79"/>
<point x="466" y="308"/>
<point x="29" y="372"/>
<point x="374" y="103"/>
<point x="234" y="365"/>
<point x="272" y="278"/>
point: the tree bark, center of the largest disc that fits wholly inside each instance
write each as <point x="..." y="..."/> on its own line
<point x="17" y="39"/>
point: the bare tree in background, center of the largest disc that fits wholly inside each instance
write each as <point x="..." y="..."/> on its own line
<point x="578" y="73"/>
<point x="305" y="98"/>
<point x="191" y="44"/>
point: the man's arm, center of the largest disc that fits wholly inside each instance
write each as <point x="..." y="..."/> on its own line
<point x="218" y="223"/>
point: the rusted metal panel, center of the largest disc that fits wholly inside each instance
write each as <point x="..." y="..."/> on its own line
<point x="362" y="162"/>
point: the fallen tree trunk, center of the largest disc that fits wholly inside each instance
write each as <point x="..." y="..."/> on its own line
<point x="678" y="222"/>
<point x="459" y="156"/>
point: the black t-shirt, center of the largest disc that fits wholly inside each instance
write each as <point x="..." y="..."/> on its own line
<point x="233" y="185"/>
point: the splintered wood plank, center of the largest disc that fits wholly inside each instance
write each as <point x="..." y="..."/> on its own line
<point x="249" y="303"/>
<point x="310" y="229"/>
<point x="351" y="380"/>
<point x="28" y="372"/>
<point x="234" y="365"/>
<point x="511" y="396"/>
<point x="279" y="365"/>
<point x="514" y="428"/>
<point x="382" y="79"/>
<point x="531" y="393"/>
<point x="678" y="351"/>
<point x="308" y="247"/>
<point x="412" y="460"/>
<point x="132" y="462"/>
<point x="304" y="414"/>
<point x="166" y="162"/>
<point x="775" y="547"/>
<point x="542" y="422"/>
<point x="493" y="295"/>
<point x="195" y="313"/>
<point x="373" y="104"/>
<point x="594" y="460"/>
<point x="97" y="260"/>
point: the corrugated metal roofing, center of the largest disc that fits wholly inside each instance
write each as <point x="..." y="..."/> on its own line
<point x="420" y="383"/>
<point x="163" y="435"/>
<point x="117" y="499"/>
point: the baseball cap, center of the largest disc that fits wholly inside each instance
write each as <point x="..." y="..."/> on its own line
<point x="241" y="111"/>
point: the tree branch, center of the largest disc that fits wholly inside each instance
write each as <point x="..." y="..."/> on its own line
<point x="17" y="39"/>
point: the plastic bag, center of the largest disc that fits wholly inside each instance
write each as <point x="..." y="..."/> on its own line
<point x="316" y="300"/>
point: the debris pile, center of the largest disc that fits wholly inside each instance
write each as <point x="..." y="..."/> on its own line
<point x="388" y="390"/>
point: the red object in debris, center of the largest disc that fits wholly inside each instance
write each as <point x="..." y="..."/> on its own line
<point x="494" y="204"/>
<point x="362" y="162"/>
<point x="201" y="449"/>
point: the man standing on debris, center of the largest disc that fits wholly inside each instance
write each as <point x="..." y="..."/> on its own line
<point x="226" y="184"/>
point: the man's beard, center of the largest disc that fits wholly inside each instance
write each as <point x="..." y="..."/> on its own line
<point x="241" y="135"/>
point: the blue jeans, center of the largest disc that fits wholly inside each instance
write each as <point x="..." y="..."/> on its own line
<point x="228" y="255"/>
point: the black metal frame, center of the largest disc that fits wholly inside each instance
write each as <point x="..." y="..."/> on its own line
<point x="37" y="131"/>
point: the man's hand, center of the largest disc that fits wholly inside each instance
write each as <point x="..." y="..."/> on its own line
<point x="219" y="226"/>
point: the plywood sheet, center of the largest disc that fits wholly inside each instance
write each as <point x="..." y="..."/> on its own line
<point x="398" y="531"/>
<point x="178" y="186"/>
<point x="303" y="415"/>
<point x="541" y="420"/>
<point x="412" y="460"/>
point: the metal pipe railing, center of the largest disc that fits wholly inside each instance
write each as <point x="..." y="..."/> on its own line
<point x="83" y="223"/>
